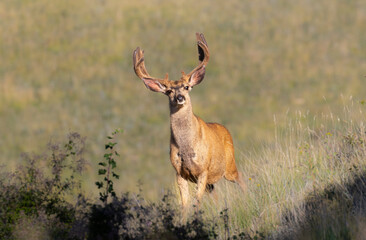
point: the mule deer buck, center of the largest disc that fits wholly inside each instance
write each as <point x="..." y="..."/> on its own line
<point x="200" y="152"/>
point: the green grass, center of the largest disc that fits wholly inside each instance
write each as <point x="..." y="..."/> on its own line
<point x="67" y="66"/>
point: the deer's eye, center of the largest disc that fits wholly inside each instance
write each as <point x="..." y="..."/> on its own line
<point x="186" y="87"/>
<point x="167" y="92"/>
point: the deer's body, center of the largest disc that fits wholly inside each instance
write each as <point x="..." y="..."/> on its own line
<point x="200" y="152"/>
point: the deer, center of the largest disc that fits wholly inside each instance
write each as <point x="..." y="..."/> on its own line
<point x="200" y="152"/>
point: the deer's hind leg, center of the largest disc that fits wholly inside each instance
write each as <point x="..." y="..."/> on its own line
<point x="232" y="174"/>
<point x="237" y="177"/>
<point x="210" y="188"/>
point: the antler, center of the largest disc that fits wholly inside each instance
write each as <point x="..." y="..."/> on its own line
<point x="203" y="53"/>
<point x="154" y="84"/>
<point x="139" y="65"/>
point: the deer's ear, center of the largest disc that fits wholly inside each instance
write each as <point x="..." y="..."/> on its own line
<point x="197" y="76"/>
<point x="154" y="85"/>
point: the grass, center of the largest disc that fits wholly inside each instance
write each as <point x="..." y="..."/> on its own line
<point x="303" y="161"/>
<point x="67" y="66"/>
<point x="309" y="185"/>
<point x="276" y="77"/>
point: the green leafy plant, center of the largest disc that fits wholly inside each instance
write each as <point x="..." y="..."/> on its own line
<point x="106" y="169"/>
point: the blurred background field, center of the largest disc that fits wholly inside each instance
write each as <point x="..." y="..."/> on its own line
<point x="67" y="66"/>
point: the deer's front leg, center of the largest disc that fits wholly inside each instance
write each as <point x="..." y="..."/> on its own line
<point x="177" y="164"/>
<point x="201" y="186"/>
<point x="183" y="189"/>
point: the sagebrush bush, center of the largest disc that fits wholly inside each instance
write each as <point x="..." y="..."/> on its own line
<point x="37" y="189"/>
<point x="131" y="217"/>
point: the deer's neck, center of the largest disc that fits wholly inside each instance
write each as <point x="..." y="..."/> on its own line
<point x="183" y="124"/>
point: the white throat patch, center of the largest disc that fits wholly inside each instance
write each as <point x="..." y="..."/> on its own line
<point x="181" y="102"/>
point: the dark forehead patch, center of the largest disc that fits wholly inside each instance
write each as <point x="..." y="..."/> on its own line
<point x="177" y="84"/>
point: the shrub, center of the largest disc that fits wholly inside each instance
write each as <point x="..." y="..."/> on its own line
<point x="130" y="217"/>
<point x="36" y="193"/>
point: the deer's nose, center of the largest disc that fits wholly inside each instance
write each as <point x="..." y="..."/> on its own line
<point x="180" y="98"/>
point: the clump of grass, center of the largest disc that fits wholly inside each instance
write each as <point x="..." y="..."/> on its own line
<point x="333" y="208"/>
<point x="336" y="212"/>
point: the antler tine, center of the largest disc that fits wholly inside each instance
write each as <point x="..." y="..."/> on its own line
<point x="139" y="64"/>
<point x="202" y="47"/>
<point x="203" y="53"/>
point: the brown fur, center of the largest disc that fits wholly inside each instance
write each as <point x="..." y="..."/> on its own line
<point x="200" y="152"/>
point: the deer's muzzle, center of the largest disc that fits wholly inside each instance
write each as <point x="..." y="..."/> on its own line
<point x="180" y="99"/>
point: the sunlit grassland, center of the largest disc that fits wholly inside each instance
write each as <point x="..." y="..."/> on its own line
<point x="304" y="160"/>
<point x="67" y="66"/>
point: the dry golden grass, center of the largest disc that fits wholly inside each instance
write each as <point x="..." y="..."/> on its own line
<point x="304" y="160"/>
